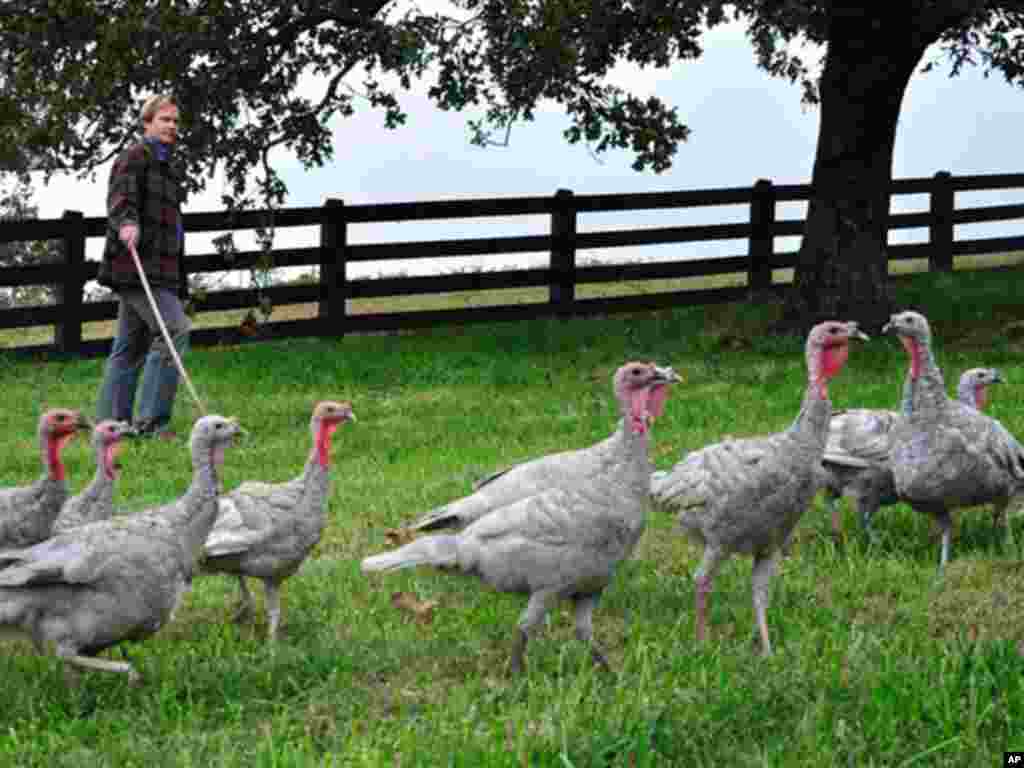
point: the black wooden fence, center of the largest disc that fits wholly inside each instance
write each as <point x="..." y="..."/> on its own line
<point x="561" y="277"/>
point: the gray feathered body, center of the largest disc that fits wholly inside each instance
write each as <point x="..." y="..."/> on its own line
<point x="952" y="455"/>
<point x="856" y="461"/>
<point x="27" y="513"/>
<point x="859" y="437"/>
<point x="945" y="454"/>
<point x="564" y="534"/>
<point x="565" y="469"/>
<point x="94" y="503"/>
<point x="564" y="541"/>
<point x="87" y="592"/>
<point x="747" y="495"/>
<point x="266" y="530"/>
<point x="93" y="586"/>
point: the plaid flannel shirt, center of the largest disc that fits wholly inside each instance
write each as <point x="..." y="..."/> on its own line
<point x="144" y="189"/>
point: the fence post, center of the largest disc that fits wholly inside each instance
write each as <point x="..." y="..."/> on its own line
<point x="333" y="282"/>
<point x="67" y="334"/>
<point x="940" y="231"/>
<point x="762" y="236"/>
<point x="562" y="290"/>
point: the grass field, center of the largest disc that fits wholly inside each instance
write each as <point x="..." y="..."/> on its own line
<point x="878" y="662"/>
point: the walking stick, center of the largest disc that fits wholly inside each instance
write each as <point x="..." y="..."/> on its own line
<point x="163" y="330"/>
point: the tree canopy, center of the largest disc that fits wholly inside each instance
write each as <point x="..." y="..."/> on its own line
<point x="74" y="71"/>
<point x="256" y="75"/>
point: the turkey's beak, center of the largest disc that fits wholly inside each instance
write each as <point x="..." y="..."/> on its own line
<point x="126" y="430"/>
<point x="82" y="424"/>
<point x="855" y="332"/>
<point x="893" y="326"/>
<point x="997" y="376"/>
<point x="236" y="433"/>
<point x="666" y="375"/>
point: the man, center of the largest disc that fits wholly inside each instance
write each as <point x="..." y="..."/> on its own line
<point x="144" y="200"/>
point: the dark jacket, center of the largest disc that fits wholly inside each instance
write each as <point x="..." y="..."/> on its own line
<point x="148" y="192"/>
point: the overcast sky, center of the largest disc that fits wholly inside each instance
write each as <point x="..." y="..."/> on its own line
<point x="745" y="126"/>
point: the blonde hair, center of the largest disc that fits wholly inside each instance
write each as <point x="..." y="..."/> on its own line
<point x="153" y="104"/>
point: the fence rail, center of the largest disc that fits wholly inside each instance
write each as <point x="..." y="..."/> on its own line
<point x="563" y="275"/>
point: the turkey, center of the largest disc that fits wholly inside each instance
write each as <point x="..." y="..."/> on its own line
<point x="92" y="587"/>
<point x="265" y="531"/>
<point x="945" y="454"/>
<point x="564" y="469"/>
<point x="856" y="459"/>
<point x="27" y="512"/>
<point x="564" y="541"/>
<point x="747" y="495"/>
<point x="96" y="501"/>
<point x="973" y="387"/>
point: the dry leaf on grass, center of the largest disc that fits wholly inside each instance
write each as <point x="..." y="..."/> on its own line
<point x="421" y="610"/>
<point x="248" y="326"/>
<point x="396" y="537"/>
<point x="664" y="450"/>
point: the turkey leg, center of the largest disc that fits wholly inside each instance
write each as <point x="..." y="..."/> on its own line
<point x="584" y="609"/>
<point x="244" y="610"/>
<point x="533" y="616"/>
<point x="761" y="576"/>
<point x="703" y="578"/>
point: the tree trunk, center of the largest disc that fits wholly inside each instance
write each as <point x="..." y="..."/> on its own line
<point x="841" y="268"/>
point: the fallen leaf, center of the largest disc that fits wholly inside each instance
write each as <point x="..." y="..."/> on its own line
<point x="664" y="450"/>
<point x="422" y="610"/>
<point x="396" y="537"/>
<point x="248" y="326"/>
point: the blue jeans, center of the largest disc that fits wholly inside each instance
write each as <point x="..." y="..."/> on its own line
<point x="139" y="343"/>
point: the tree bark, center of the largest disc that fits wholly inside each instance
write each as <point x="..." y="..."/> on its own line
<point x="842" y="268"/>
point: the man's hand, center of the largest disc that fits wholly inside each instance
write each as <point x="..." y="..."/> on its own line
<point x="129" y="234"/>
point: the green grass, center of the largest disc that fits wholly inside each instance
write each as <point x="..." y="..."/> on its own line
<point x="877" y="662"/>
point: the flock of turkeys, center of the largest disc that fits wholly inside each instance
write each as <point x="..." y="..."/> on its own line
<point x="77" y="578"/>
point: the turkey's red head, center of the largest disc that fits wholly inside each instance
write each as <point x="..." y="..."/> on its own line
<point x="56" y="428"/>
<point x="974" y="384"/>
<point x="106" y="441"/>
<point x="828" y="347"/>
<point x="62" y="422"/>
<point x="915" y="335"/>
<point x="641" y="389"/>
<point x="210" y="437"/>
<point x="327" y="417"/>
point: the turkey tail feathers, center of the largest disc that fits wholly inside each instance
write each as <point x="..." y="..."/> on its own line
<point x="436" y="520"/>
<point x="430" y="550"/>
